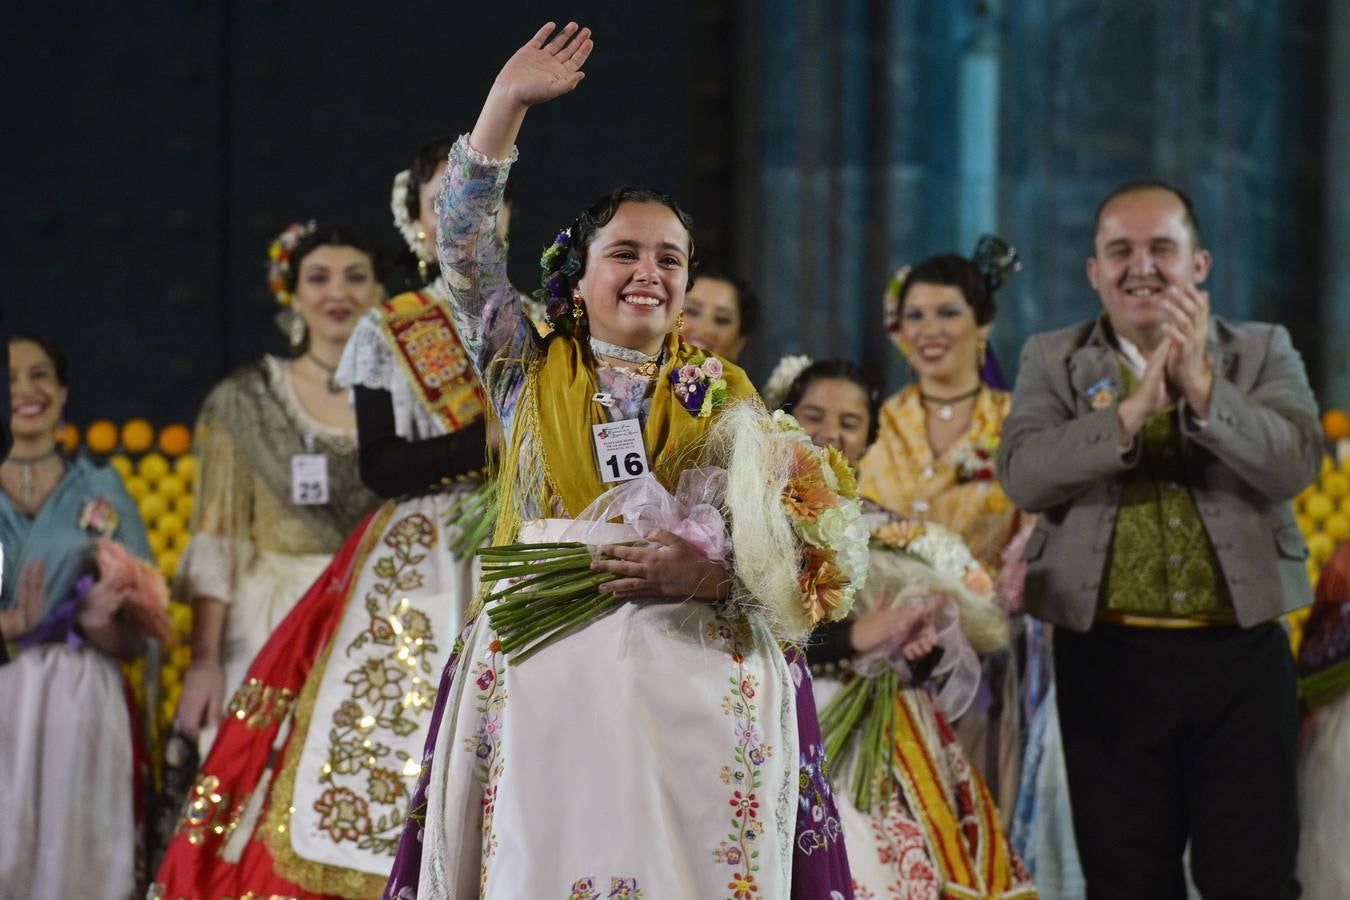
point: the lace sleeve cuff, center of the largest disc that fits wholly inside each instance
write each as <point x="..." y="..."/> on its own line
<point x="367" y="361"/>
<point x="466" y="150"/>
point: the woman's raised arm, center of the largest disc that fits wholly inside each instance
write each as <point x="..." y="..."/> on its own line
<point x="536" y="73"/>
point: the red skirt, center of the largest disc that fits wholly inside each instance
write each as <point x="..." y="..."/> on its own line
<point x="194" y="865"/>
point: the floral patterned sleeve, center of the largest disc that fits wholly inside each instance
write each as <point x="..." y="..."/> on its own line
<point x="486" y="307"/>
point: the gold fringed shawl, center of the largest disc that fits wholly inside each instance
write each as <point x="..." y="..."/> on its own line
<point x="551" y="454"/>
<point x="422" y="334"/>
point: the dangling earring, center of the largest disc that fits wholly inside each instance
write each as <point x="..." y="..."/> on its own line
<point x="909" y="366"/>
<point x="981" y="353"/>
<point x="297" y="331"/>
<point x="679" y="323"/>
<point x="578" y="311"/>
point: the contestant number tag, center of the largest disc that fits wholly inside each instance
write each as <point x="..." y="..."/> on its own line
<point x="619" y="450"/>
<point x="309" y="479"/>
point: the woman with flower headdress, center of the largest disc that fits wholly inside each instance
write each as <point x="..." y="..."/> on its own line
<point x="79" y="593"/>
<point x="279" y="488"/>
<point x="653" y="747"/>
<point x="934" y="461"/>
<point x="917" y="817"/>
<point x="315" y="770"/>
<point x="936" y="446"/>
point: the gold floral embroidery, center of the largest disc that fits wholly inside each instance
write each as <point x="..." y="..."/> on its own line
<point x="260" y="705"/>
<point x="389" y="691"/>
<point x="317" y="877"/>
<point x="208" y="812"/>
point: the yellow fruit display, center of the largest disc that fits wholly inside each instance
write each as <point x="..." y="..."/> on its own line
<point x="101" y="436"/>
<point x="1327" y="465"/>
<point x="1335" y="485"/>
<point x="122" y="464"/>
<point x="1318" y="507"/>
<point x="152" y="467"/>
<point x="137" y="487"/>
<point x="184" y="506"/>
<point x="175" y="440"/>
<point x="1320" y="547"/>
<point x="185" y="467"/>
<point x="168" y="563"/>
<point x="180" y="614"/>
<point x="171" y="524"/>
<point x="152" y="506"/>
<point x="158" y="543"/>
<point x="171" y="487"/>
<point x="180" y="541"/>
<point x="138" y="436"/>
<point x="1336" y="527"/>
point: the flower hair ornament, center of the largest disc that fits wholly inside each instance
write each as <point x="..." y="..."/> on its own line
<point x="890" y="303"/>
<point x="788" y="370"/>
<point x="279" y="259"/>
<point x="553" y="291"/>
<point x="412" y="232"/>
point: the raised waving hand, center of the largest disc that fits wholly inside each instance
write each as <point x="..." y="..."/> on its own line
<point x="541" y="70"/>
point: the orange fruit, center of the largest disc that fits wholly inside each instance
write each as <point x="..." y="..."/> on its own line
<point x="1336" y="424"/>
<point x="175" y="440"/>
<point x="68" y="438"/>
<point x="138" y="435"/>
<point x="101" y="436"/>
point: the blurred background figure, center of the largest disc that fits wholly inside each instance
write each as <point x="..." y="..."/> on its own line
<point x="279" y="484"/>
<point x="76" y="600"/>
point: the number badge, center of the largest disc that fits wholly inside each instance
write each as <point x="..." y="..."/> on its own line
<point x="619" y="451"/>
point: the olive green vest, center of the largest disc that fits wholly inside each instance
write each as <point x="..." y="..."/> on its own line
<point x="1161" y="562"/>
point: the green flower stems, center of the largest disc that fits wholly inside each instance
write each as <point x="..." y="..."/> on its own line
<point x="547" y="592"/>
<point x="473" y="516"/>
<point x="859" y="725"/>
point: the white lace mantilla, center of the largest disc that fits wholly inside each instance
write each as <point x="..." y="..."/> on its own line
<point x="369" y="361"/>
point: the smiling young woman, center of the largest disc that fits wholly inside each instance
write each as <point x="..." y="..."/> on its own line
<point x="934" y="455"/>
<point x="672" y="715"/>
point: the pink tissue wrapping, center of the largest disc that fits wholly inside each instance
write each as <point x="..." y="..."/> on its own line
<point x="147" y="605"/>
<point x="693" y="512"/>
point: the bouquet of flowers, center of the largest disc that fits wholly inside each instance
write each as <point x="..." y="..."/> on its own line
<point x="911" y="561"/>
<point x="147" y="606"/>
<point x="545" y="591"/>
<point x="699" y="385"/>
<point x="796" y="521"/>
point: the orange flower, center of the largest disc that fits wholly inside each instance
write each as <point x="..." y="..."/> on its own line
<point x="822" y="583"/>
<point x="806" y="495"/>
<point x="897" y="534"/>
<point x="978" y="582"/>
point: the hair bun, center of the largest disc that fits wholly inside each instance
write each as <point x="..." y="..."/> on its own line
<point x="996" y="260"/>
